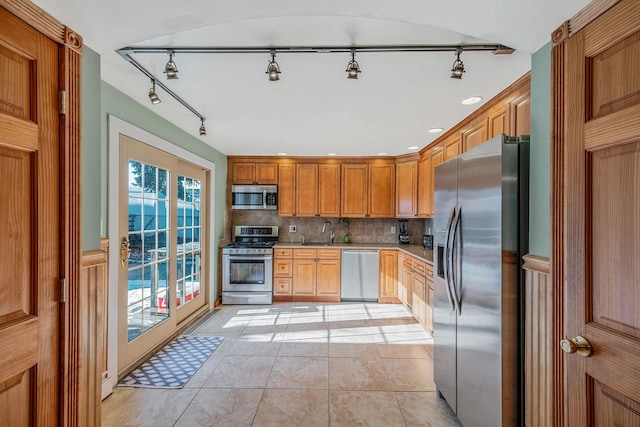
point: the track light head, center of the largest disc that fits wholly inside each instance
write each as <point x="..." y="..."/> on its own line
<point x="153" y="96"/>
<point x="353" y="69"/>
<point x="203" y="130"/>
<point x="171" y="69"/>
<point x="273" y="70"/>
<point x="457" y="69"/>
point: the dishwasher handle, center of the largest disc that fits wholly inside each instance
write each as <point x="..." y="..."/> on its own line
<point x="360" y="251"/>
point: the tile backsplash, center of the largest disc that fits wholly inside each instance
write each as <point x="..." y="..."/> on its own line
<point x="361" y="230"/>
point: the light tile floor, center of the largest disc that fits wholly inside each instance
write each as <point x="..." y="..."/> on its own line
<point x="299" y="364"/>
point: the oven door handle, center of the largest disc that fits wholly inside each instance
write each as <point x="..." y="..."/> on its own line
<point x="247" y="256"/>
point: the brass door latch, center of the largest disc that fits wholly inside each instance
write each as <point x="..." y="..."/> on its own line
<point x="125" y="251"/>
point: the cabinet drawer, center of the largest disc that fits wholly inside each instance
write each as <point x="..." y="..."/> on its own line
<point x="329" y="253"/>
<point x="305" y="254"/>
<point x="282" y="253"/>
<point x="282" y="268"/>
<point x="407" y="263"/>
<point x="419" y="266"/>
<point x="282" y="286"/>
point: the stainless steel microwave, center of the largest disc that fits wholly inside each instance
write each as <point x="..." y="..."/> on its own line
<point x="264" y="197"/>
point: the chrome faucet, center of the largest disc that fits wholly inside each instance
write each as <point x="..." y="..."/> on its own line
<point x="332" y="236"/>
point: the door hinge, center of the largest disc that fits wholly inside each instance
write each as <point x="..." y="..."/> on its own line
<point x="63" y="289"/>
<point x="63" y="102"/>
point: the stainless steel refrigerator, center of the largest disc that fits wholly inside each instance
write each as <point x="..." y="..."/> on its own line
<point x="481" y="222"/>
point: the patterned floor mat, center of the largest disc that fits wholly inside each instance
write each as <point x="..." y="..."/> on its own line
<point x="174" y="365"/>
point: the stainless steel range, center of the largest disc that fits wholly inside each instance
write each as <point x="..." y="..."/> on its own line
<point x="247" y="265"/>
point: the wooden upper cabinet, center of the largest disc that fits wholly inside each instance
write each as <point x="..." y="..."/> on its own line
<point x="424" y="179"/>
<point x="368" y="190"/>
<point x="407" y="189"/>
<point x="255" y="173"/>
<point x="437" y="157"/>
<point x="452" y="147"/>
<point x="329" y="190"/>
<point x="474" y="136"/>
<point x="521" y="115"/>
<point x="306" y="190"/>
<point x="286" y="189"/>
<point x="381" y="191"/>
<point x="354" y="190"/>
<point x="499" y="122"/>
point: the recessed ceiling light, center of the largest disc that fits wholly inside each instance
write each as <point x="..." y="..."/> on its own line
<point x="472" y="100"/>
<point x="331" y="154"/>
<point x="413" y="147"/>
<point x="436" y="130"/>
<point x="282" y="154"/>
<point x="382" y="154"/>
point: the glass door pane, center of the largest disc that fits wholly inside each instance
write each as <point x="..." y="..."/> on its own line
<point x="148" y="290"/>
<point x="189" y="231"/>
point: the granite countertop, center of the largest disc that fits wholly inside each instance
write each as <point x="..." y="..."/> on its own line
<point x="416" y="250"/>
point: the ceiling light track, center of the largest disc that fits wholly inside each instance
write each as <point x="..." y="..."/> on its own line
<point x="156" y="82"/>
<point x="497" y="49"/>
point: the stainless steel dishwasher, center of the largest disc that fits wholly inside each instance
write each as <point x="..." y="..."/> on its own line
<point x="360" y="269"/>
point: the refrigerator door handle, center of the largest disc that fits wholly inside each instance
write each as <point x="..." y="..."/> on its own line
<point x="446" y="260"/>
<point x="454" y="287"/>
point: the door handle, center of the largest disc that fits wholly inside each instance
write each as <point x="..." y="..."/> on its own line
<point x="125" y="251"/>
<point x="454" y="232"/>
<point x="446" y="259"/>
<point x="578" y="345"/>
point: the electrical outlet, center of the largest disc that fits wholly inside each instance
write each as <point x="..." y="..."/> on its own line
<point x="393" y="230"/>
<point x="292" y="229"/>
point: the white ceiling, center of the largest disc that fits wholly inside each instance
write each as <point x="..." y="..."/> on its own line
<point x="314" y="109"/>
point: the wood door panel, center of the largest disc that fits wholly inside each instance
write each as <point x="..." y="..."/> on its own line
<point x="328" y="277"/>
<point x="354" y="191"/>
<point x="615" y="177"/>
<point x="286" y="190"/>
<point x="13" y="392"/>
<point x="17" y="257"/>
<point x="474" y="136"/>
<point x="381" y="191"/>
<point x="306" y="190"/>
<point x="610" y="405"/>
<point x="329" y="190"/>
<point x="615" y="81"/>
<point x="304" y="277"/>
<point x="17" y="77"/>
<point x="267" y="173"/>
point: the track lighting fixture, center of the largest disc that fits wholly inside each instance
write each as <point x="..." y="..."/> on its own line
<point x="458" y="67"/>
<point x="171" y="70"/>
<point x="203" y="130"/>
<point x="352" y="67"/>
<point x="153" y="96"/>
<point x="273" y="70"/>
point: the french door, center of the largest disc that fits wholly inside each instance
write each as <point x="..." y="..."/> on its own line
<point x="160" y="280"/>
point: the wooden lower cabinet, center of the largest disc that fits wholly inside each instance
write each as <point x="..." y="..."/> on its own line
<point x="428" y="322"/>
<point x="315" y="275"/>
<point x="388" y="282"/>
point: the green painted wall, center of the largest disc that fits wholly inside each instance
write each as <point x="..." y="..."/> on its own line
<point x="100" y="99"/>
<point x="540" y="186"/>
<point x="120" y="105"/>
<point x="91" y="151"/>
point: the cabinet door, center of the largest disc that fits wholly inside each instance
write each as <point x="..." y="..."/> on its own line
<point x="418" y="306"/>
<point x="244" y="173"/>
<point x="429" y="299"/>
<point x="306" y="190"/>
<point x="388" y="285"/>
<point x="329" y="190"/>
<point x="381" y="191"/>
<point x="286" y="190"/>
<point x="407" y="189"/>
<point x="499" y="122"/>
<point x="407" y="282"/>
<point x="521" y="115"/>
<point x="437" y="157"/>
<point x="354" y="191"/>
<point x="474" y="136"/>
<point x="304" y="277"/>
<point x="452" y="147"/>
<point x="424" y="183"/>
<point x="399" y="284"/>
<point x="282" y="286"/>
<point x="328" y="277"/>
<point x="282" y="267"/>
<point x="266" y="173"/>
